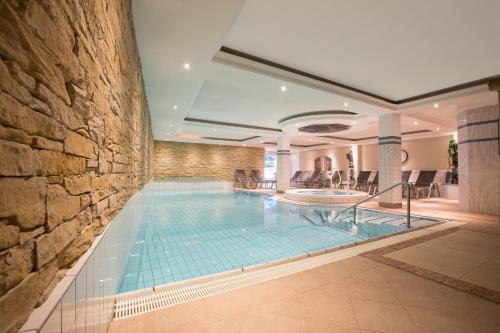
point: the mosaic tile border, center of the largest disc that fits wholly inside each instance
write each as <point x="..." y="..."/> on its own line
<point x="379" y="256"/>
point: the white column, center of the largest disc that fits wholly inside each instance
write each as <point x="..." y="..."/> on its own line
<point x="389" y="159"/>
<point x="283" y="167"/>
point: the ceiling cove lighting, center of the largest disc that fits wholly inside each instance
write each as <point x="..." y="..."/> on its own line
<point x="186" y="66"/>
<point x="283" y="88"/>
<point x="436" y="105"/>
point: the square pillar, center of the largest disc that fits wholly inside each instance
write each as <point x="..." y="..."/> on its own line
<point x="283" y="167"/>
<point x="389" y="159"/>
<point x="479" y="160"/>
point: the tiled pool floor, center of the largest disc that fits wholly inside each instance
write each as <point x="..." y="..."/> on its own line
<point x="187" y="235"/>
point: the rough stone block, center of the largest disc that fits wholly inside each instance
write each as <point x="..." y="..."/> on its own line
<point x="56" y="163"/>
<point x="48" y="246"/>
<point x="79" y="145"/>
<point x="42" y="143"/>
<point x="15" y="312"/>
<point x="23" y="201"/>
<point x="15" y="264"/>
<point x="9" y="85"/>
<point x="28" y="235"/>
<point x="15" y="135"/>
<point x="14" y="114"/>
<point x="61" y="206"/>
<point x="9" y="235"/>
<point x="17" y="160"/>
<point x="101" y="206"/>
<point x="77" y="184"/>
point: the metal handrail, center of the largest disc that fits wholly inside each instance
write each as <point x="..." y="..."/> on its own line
<point x="355" y="206"/>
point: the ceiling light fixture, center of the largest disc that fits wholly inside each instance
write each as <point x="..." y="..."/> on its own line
<point x="300" y="133"/>
<point x="436" y="105"/>
<point x="437" y="128"/>
<point x="168" y="134"/>
<point x="244" y="145"/>
<point x="283" y="88"/>
<point x="309" y="140"/>
<point x="187" y="65"/>
<point x="415" y="123"/>
<point x="175" y="107"/>
<point x="214" y="129"/>
<point x="354" y="122"/>
<point x="169" y="125"/>
<point x="261" y="141"/>
<point x="346" y="104"/>
<point x="251" y="133"/>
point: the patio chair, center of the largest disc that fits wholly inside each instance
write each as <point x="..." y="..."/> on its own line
<point x="361" y="180"/>
<point x="241" y="178"/>
<point x="304" y="176"/>
<point x="295" y="177"/>
<point x="424" y="181"/>
<point x="337" y="178"/>
<point x="258" y="179"/>
<point x="323" y="179"/>
<point x="372" y="183"/>
<point x="309" y="182"/>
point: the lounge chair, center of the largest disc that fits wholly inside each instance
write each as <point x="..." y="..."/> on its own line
<point x="258" y="179"/>
<point x="241" y="178"/>
<point x="323" y="179"/>
<point x="304" y="176"/>
<point x="372" y="183"/>
<point x="337" y="178"/>
<point x="309" y="182"/>
<point x="405" y="177"/>
<point x="295" y="177"/>
<point x="424" y="181"/>
<point x="361" y="180"/>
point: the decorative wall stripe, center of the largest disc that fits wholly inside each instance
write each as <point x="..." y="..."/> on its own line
<point x="381" y="138"/>
<point x="484" y="122"/>
<point x="389" y="143"/>
<point x="478" y="140"/>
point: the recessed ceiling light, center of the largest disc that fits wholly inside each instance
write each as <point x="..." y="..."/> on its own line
<point x="437" y="128"/>
<point x="214" y="129"/>
<point x="168" y="133"/>
<point x="251" y="133"/>
<point x="169" y="125"/>
<point x="175" y="106"/>
<point x="187" y="65"/>
<point x="244" y="145"/>
<point x="415" y="123"/>
<point x="283" y="88"/>
<point x="309" y="140"/>
<point x="354" y="122"/>
<point x="297" y="125"/>
<point x="346" y="104"/>
<point x="300" y="133"/>
<point x="261" y="141"/>
<point x="436" y="105"/>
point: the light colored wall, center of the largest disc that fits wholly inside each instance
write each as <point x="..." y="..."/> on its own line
<point x="338" y="156"/>
<point x="75" y="138"/>
<point x="182" y="159"/>
<point x="424" y="154"/>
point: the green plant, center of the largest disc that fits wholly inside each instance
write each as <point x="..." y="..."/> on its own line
<point x="453" y="154"/>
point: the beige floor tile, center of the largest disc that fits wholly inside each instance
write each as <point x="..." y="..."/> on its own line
<point x="383" y="317"/>
<point x="288" y="307"/>
<point x="442" y="320"/>
<point x="487" y="323"/>
<point x="371" y="291"/>
<point x="486" y="275"/>
<point x="264" y="323"/>
<point x="229" y="325"/>
<point x="273" y="291"/>
<point x="304" y="281"/>
<point x="143" y="323"/>
<point x="334" y="309"/>
<point x="233" y="303"/>
<point x="315" y="325"/>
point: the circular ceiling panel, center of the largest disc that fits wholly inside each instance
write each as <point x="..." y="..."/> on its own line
<point x="324" y="128"/>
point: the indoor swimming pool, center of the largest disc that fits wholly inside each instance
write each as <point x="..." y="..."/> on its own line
<point x="189" y="234"/>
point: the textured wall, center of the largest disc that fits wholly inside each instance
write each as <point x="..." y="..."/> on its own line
<point x="75" y="138"/>
<point x="182" y="159"/>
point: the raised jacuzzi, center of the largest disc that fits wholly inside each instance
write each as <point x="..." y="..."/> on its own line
<point x="325" y="196"/>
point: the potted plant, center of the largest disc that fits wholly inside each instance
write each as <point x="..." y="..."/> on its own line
<point x="453" y="161"/>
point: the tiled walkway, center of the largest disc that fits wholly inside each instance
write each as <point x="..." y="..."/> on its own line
<point x="353" y="295"/>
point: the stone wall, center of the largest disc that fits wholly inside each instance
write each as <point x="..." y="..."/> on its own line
<point x="172" y="159"/>
<point x="75" y="138"/>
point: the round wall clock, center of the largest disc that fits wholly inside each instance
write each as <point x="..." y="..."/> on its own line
<point x="404" y="156"/>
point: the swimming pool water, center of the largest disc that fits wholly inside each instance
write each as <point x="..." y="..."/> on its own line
<point x="191" y="234"/>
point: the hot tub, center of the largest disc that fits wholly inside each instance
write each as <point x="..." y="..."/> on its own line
<point x="325" y="196"/>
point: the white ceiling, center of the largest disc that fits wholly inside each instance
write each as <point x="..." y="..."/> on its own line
<point x="393" y="48"/>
